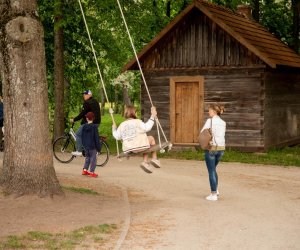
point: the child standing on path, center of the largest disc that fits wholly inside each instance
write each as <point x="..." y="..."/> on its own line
<point x="132" y="132"/>
<point x="91" y="144"/>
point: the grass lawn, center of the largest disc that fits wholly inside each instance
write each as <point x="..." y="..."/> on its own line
<point x="289" y="156"/>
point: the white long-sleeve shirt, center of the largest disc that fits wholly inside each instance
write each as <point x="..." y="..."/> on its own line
<point x="132" y="132"/>
<point x="218" y="130"/>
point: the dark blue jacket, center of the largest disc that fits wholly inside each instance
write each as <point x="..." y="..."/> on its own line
<point x="90" y="105"/>
<point x="90" y="137"/>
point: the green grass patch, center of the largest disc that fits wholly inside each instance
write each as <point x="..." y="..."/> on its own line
<point x="289" y="156"/>
<point x="80" y="190"/>
<point x="34" y="235"/>
<point x="71" y="240"/>
<point x="12" y="242"/>
<point x="106" y="129"/>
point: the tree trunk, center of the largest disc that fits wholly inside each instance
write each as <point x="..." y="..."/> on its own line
<point x="116" y="109"/>
<point x="296" y="24"/>
<point x="67" y="95"/>
<point x="228" y="3"/>
<point x="184" y="4"/>
<point x="168" y="9"/>
<point x="154" y="3"/>
<point x="28" y="160"/>
<point x="126" y="98"/>
<point x="157" y="18"/>
<point x="59" y="125"/>
<point x="102" y="97"/>
<point x="256" y="10"/>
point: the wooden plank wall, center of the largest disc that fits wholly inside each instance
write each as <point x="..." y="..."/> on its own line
<point x="198" y="42"/>
<point x="240" y="90"/>
<point x="282" y="109"/>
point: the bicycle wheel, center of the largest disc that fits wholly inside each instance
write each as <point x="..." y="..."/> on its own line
<point x="62" y="149"/>
<point x="103" y="155"/>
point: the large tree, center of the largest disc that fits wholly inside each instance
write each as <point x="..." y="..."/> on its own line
<point x="28" y="162"/>
<point x="59" y="111"/>
<point x="255" y="7"/>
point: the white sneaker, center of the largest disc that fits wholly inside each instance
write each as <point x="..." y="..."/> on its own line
<point x="76" y="153"/>
<point x="155" y="163"/>
<point x="146" y="167"/>
<point x="218" y="192"/>
<point x="212" y="197"/>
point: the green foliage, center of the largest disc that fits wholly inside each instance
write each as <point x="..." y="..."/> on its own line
<point x="124" y="79"/>
<point x="231" y="4"/>
<point x="111" y="41"/>
<point x="72" y="240"/>
<point x="106" y="129"/>
<point x="277" y="17"/>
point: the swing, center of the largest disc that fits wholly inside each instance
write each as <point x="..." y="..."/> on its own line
<point x="161" y="146"/>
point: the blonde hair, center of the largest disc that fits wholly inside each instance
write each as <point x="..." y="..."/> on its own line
<point x="217" y="108"/>
<point x="130" y="112"/>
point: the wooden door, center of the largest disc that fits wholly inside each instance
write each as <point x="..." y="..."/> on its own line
<point x="186" y="95"/>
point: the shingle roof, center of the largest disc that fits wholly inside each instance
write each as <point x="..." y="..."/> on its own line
<point x="248" y="32"/>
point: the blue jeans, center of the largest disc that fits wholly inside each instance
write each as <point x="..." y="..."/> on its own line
<point x="79" y="145"/>
<point x="90" y="159"/>
<point x="212" y="159"/>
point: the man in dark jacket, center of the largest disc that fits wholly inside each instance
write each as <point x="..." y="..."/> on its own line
<point x="89" y="105"/>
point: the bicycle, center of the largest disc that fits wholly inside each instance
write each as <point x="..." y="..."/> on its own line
<point x="65" y="145"/>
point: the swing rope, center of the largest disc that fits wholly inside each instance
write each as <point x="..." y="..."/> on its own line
<point x="98" y="68"/>
<point x="158" y="125"/>
<point x="142" y="74"/>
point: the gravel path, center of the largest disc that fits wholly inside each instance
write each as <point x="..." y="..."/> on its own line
<point x="258" y="208"/>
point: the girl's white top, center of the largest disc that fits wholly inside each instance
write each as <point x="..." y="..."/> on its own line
<point x="132" y="132"/>
<point x="218" y="130"/>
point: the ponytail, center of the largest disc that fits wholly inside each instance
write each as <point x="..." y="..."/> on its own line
<point x="218" y="108"/>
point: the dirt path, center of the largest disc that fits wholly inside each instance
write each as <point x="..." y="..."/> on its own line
<point x="259" y="206"/>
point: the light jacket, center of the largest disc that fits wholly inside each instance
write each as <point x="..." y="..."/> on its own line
<point x="218" y="130"/>
<point x="132" y="132"/>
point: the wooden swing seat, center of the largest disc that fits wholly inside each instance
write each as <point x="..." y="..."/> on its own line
<point x="148" y="150"/>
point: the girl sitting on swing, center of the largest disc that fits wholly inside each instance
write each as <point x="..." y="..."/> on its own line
<point x="132" y="132"/>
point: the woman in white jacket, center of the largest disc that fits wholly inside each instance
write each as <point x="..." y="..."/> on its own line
<point x="214" y="155"/>
<point x="132" y="132"/>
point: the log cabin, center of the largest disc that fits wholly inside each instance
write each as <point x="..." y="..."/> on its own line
<point x="209" y="54"/>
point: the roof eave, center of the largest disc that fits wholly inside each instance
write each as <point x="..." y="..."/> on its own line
<point x="132" y="62"/>
<point x="236" y="36"/>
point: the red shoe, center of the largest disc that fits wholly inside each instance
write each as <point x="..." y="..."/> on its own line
<point x="92" y="174"/>
<point x="85" y="172"/>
